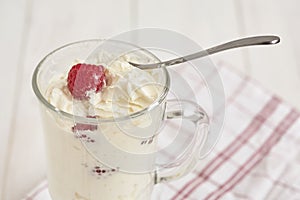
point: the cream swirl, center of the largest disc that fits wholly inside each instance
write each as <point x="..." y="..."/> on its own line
<point x="128" y="90"/>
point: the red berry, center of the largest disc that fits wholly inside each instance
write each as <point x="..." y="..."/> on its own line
<point x="84" y="127"/>
<point x="83" y="78"/>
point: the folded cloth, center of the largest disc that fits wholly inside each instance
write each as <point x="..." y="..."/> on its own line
<point x="257" y="156"/>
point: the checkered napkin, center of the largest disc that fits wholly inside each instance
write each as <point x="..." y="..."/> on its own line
<point x="257" y="156"/>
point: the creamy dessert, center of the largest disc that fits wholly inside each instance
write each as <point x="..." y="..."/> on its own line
<point x="98" y="91"/>
<point x="111" y="91"/>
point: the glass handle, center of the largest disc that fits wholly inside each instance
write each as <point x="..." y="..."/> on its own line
<point x="187" y="160"/>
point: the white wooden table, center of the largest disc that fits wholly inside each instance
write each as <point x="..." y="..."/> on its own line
<point x="30" y="29"/>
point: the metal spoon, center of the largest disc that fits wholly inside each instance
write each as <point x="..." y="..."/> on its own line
<point x="249" y="41"/>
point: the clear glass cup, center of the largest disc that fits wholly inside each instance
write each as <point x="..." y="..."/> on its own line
<point x="120" y="158"/>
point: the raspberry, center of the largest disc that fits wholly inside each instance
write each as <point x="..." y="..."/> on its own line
<point x="83" y="78"/>
<point x="84" y="127"/>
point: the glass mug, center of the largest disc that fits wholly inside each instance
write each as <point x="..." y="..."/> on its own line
<point x="120" y="157"/>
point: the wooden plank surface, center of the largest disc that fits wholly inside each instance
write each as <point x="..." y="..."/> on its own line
<point x="277" y="68"/>
<point x="12" y="34"/>
<point x="52" y="24"/>
<point x="206" y="22"/>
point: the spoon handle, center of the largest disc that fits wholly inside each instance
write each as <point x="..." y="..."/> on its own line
<point x="249" y="41"/>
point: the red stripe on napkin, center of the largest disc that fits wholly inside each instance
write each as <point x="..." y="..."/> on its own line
<point x="272" y="140"/>
<point x="232" y="148"/>
<point x="37" y="191"/>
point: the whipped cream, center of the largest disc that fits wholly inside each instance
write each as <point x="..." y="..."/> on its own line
<point x="128" y="90"/>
